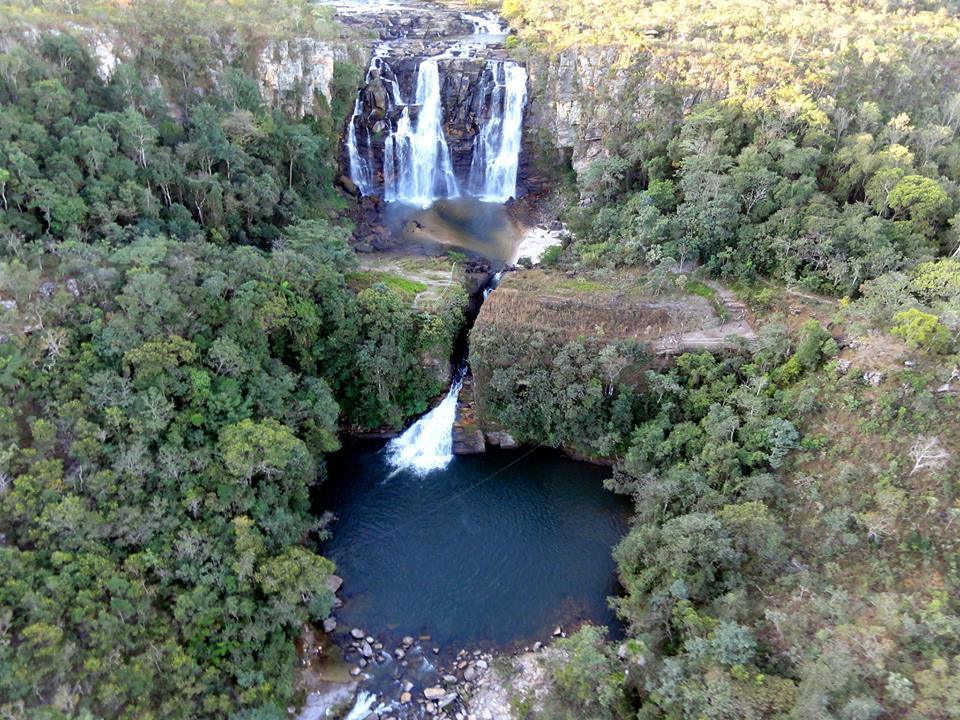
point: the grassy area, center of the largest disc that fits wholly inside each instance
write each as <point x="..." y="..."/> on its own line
<point x="618" y="305"/>
<point x="363" y="279"/>
<point x="695" y="287"/>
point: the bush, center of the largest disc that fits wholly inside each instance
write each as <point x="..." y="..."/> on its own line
<point x="921" y="330"/>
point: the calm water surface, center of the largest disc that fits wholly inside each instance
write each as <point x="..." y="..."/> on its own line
<point x="496" y="549"/>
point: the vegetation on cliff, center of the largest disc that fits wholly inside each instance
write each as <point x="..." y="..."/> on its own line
<point x="179" y="347"/>
<point x="815" y="143"/>
<point x="793" y="549"/>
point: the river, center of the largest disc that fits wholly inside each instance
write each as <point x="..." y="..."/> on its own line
<point x="440" y="553"/>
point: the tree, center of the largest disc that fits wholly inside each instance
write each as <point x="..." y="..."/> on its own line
<point x="587" y="678"/>
<point x="928" y="454"/>
<point x="921" y="199"/>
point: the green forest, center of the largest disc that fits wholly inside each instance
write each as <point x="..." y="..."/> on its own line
<point x="181" y="347"/>
<point x="186" y="332"/>
<point x="793" y="553"/>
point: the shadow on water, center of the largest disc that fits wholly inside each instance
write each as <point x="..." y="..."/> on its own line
<point x="482" y="229"/>
<point x="493" y="551"/>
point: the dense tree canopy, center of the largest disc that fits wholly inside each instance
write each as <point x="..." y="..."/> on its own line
<point x="179" y="347"/>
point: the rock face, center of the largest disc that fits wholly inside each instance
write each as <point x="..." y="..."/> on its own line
<point x="468" y="438"/>
<point x="294" y="74"/>
<point x="576" y="98"/>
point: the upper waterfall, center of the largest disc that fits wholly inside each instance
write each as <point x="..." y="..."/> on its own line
<point x="441" y="125"/>
<point x="416" y="159"/>
<point x="496" y="153"/>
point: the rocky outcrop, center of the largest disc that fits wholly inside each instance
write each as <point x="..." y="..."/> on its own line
<point x="468" y="438"/>
<point x="420" y="23"/>
<point x="577" y="98"/>
<point x="294" y="74"/>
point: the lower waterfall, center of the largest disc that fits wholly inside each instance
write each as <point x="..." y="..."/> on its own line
<point x="428" y="443"/>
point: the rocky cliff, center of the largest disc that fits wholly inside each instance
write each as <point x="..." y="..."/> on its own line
<point x="294" y="73"/>
<point x="577" y="98"/>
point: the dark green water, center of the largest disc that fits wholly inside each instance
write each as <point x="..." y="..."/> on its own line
<point x="494" y="550"/>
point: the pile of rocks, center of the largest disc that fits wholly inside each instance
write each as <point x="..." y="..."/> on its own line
<point x="369" y="650"/>
<point x="444" y="699"/>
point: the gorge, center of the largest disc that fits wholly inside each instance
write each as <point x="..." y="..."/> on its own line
<point x="439" y="139"/>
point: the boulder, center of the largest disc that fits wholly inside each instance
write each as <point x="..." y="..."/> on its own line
<point x="468" y="440"/>
<point x="434" y="693"/>
<point x="502" y="440"/>
<point x="357" y="634"/>
<point x="366" y="650"/>
<point x="329" y="625"/>
<point x="334" y="582"/>
<point x="349" y="185"/>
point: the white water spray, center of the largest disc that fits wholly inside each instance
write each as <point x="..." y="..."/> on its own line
<point x="486" y="23"/>
<point x="359" y="169"/>
<point x="428" y="443"/>
<point x="496" y="152"/>
<point x="361" y="707"/>
<point x="417" y="164"/>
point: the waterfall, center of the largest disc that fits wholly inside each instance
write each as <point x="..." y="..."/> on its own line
<point x="496" y="151"/>
<point x="428" y="443"/>
<point x="359" y="169"/>
<point x="486" y="23"/>
<point x="361" y="708"/>
<point x="493" y="285"/>
<point x="417" y="164"/>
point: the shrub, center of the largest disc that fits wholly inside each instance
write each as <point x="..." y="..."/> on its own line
<point x="921" y="330"/>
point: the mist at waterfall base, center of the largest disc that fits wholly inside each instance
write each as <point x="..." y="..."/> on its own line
<point x="482" y="229"/>
<point x="490" y="551"/>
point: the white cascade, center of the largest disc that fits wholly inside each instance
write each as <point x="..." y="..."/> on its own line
<point x="359" y="168"/>
<point x="417" y="167"/>
<point x="486" y="23"/>
<point x="496" y="150"/>
<point x="361" y="171"/>
<point x="493" y="284"/>
<point x="428" y="443"/>
<point x="362" y="706"/>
